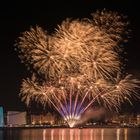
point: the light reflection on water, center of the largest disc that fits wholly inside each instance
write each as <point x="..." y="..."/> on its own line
<point x="71" y="134"/>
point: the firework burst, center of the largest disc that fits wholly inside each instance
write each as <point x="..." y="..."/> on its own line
<point x="80" y="63"/>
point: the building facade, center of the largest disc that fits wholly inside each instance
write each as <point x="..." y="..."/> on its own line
<point x="43" y="119"/>
<point x="1" y="117"/>
<point x="16" y="118"/>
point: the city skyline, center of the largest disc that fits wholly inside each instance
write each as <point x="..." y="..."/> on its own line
<point x="12" y="71"/>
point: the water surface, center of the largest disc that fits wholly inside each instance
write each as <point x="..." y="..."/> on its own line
<point x="71" y="134"/>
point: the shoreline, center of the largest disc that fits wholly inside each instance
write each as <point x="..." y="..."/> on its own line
<point x="62" y="127"/>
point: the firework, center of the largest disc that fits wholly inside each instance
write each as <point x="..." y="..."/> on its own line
<point x="113" y="24"/>
<point x="80" y="63"/>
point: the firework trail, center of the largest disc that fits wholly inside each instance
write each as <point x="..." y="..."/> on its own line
<point x="80" y="64"/>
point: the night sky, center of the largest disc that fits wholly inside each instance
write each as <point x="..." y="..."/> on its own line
<point x="19" y="16"/>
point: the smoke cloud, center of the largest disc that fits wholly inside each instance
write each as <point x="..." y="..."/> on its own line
<point x="93" y="113"/>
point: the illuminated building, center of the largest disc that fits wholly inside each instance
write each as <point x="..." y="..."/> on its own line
<point x="1" y="117"/>
<point x="15" y="118"/>
<point x="43" y="119"/>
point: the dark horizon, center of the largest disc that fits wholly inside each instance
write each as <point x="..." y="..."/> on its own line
<point x="21" y="16"/>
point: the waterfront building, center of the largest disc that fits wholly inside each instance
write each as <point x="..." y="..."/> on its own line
<point x="16" y="118"/>
<point x="1" y="117"/>
<point x="43" y="118"/>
